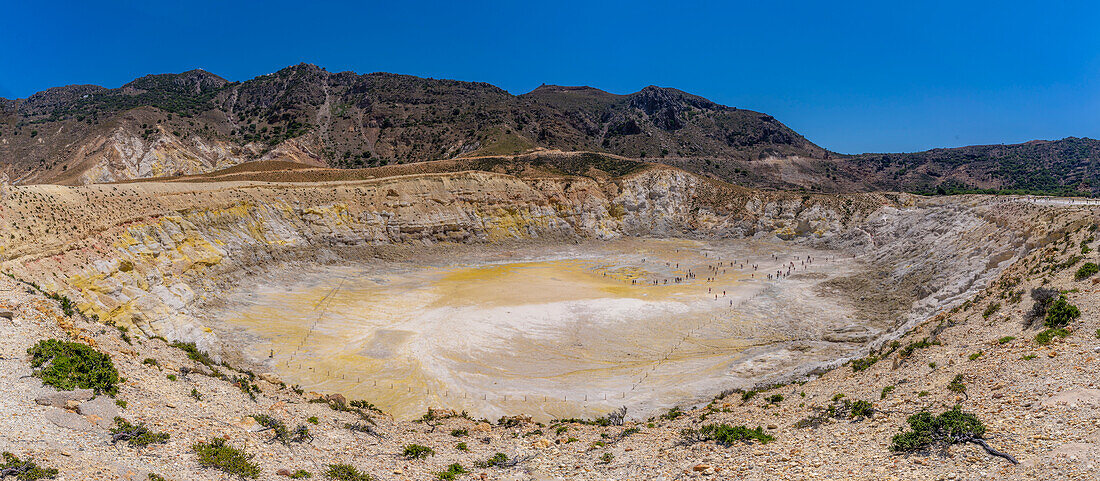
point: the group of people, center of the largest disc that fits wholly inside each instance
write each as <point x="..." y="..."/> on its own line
<point x="722" y="267"/>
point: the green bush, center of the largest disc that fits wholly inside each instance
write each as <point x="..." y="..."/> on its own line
<point x="195" y="354"/>
<point x="841" y="408"/>
<point x="282" y="432"/>
<point x="861" y="409"/>
<point x="726" y="435"/>
<point x="1006" y="339"/>
<point x="496" y="460"/>
<point x="913" y="346"/>
<point x="313" y="420"/>
<point x="992" y="309"/>
<point x="1061" y="313"/>
<point x="956" y="384"/>
<point x="156" y="477"/>
<point x="672" y="414"/>
<point x="774" y="399"/>
<point x="26" y="470"/>
<point x="1045" y="337"/>
<point x="417" y="451"/>
<point x="70" y="365"/>
<point x="864" y="363"/>
<point x="220" y="455"/>
<point x="301" y="474"/>
<point x="451" y="472"/>
<point x="951" y="427"/>
<point x="345" y="472"/>
<point x="975" y="355"/>
<point x="136" y="435"/>
<point x="462" y="447"/>
<point x="1086" y="270"/>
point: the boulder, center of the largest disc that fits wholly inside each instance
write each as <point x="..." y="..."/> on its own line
<point x="101" y="411"/>
<point x="60" y="399"/>
<point x="69" y="420"/>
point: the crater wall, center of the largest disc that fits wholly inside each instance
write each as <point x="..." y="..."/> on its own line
<point x="146" y="255"/>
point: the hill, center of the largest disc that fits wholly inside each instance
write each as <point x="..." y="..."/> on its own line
<point x="195" y="122"/>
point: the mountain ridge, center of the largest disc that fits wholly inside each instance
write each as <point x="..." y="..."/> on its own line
<point x="195" y="122"/>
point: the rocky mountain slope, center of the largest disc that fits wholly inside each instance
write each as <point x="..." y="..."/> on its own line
<point x="195" y="122"/>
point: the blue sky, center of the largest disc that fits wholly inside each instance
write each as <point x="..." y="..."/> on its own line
<point x="850" y="76"/>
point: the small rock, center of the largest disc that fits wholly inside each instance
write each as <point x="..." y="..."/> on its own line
<point x="701" y="467"/>
<point x="481" y="428"/>
<point x="7" y="314"/>
<point x="59" y="399"/>
<point x="72" y="404"/>
<point x="283" y="472"/>
<point x="772" y="426"/>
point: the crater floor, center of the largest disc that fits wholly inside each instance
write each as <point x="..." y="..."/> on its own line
<point x="554" y="331"/>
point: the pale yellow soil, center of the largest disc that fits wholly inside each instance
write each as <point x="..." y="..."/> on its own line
<point x="550" y="332"/>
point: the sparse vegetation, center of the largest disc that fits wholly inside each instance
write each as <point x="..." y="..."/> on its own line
<point x="136" y="435"/>
<point x="957" y="385"/>
<point x="864" y="363"/>
<point x="195" y="354"/>
<point x="909" y="349"/>
<point x="841" y="408"/>
<point x="24" y="470"/>
<point x="346" y="472"/>
<point x="282" y="433"/>
<point x="417" y="451"/>
<point x="1086" y="270"/>
<point x="1045" y="337"/>
<point x="218" y="454"/>
<point x="991" y="309"/>
<point x="452" y="472"/>
<point x="726" y="435"/>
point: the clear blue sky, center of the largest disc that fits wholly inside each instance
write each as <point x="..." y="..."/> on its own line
<point x="852" y="76"/>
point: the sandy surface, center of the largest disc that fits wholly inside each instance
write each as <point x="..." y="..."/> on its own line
<point x="564" y="331"/>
